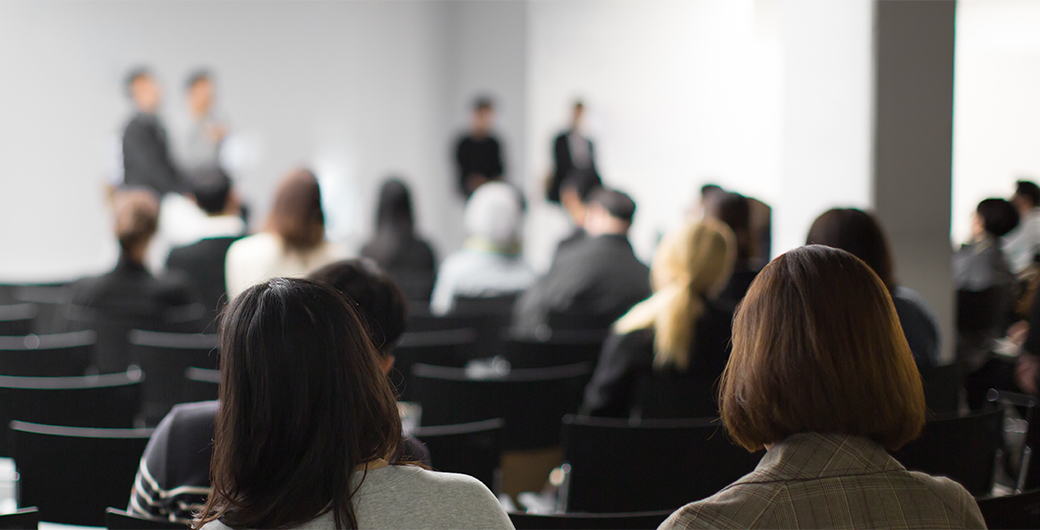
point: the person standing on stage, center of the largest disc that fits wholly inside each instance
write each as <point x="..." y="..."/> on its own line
<point x="572" y="150"/>
<point x="478" y="154"/>
<point x="200" y="148"/>
<point x="146" y="157"/>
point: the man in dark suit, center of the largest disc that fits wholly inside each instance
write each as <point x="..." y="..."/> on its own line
<point x="203" y="261"/>
<point x="478" y="154"/>
<point x="595" y="281"/>
<point x="574" y="197"/>
<point x="146" y="156"/>
<point x="572" y="151"/>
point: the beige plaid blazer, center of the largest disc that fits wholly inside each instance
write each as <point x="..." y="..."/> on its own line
<point x="832" y="481"/>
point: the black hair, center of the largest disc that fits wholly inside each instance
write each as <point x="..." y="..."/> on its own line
<point x="1029" y="190"/>
<point x="583" y="181"/>
<point x="483" y="103"/>
<point x="197" y="76"/>
<point x="858" y="233"/>
<point x="619" y="205"/>
<point x="735" y="210"/>
<point x="395" y="223"/>
<point x="133" y="75"/>
<point x="378" y="299"/>
<point x="998" y="216"/>
<point x="211" y="187"/>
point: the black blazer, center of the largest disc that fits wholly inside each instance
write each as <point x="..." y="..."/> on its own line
<point x="565" y="164"/>
<point x="146" y="157"/>
<point x="203" y="263"/>
<point x="478" y="156"/>
<point x="131" y="291"/>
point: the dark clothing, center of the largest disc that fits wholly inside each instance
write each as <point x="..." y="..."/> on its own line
<point x="566" y="163"/>
<point x="920" y="325"/>
<point x="625" y="382"/>
<point x="146" y="157"/>
<point x="131" y="291"/>
<point x="408" y="260"/>
<point x="173" y="478"/>
<point x="203" y="263"/>
<point x="985" y="300"/>
<point x="577" y="235"/>
<point x="480" y="156"/>
<point x="589" y="286"/>
<point x="738" y="285"/>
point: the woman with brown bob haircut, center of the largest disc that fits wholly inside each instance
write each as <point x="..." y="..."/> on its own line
<point x="822" y="377"/>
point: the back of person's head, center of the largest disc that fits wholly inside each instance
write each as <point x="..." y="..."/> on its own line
<point x="394" y="212"/>
<point x="212" y="189"/>
<point x="297" y="217"/>
<point x="998" y="216"/>
<point x="582" y="182"/>
<point x="609" y="212"/>
<point x="303" y="403"/>
<point x="858" y="233"/>
<point x="817" y="347"/>
<point x="136" y="217"/>
<point x="735" y="210"/>
<point x="378" y="299"/>
<point x="1028" y="191"/>
<point x="493" y="216"/>
<point x="691" y="263"/>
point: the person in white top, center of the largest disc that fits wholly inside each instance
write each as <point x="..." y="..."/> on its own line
<point x="293" y="242"/>
<point x="1023" y="243"/>
<point x="307" y="422"/>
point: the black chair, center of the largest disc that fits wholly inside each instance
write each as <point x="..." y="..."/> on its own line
<point x="977" y="310"/>
<point x="116" y="519"/>
<point x="963" y="449"/>
<point x="60" y="354"/>
<point x="72" y="473"/>
<point x="561" y="347"/>
<point x="531" y="401"/>
<point x="1020" y="511"/>
<point x="49" y="299"/>
<point x="491" y="316"/>
<point x="23" y="519"/>
<point x="451" y="347"/>
<point x="473" y="449"/>
<point x="943" y="386"/>
<point x="107" y="401"/>
<point x="674" y="396"/>
<point x="200" y="384"/>
<point x="620" y="466"/>
<point x="18" y="319"/>
<point x="164" y="358"/>
<point x="590" y="521"/>
<point x="113" y="352"/>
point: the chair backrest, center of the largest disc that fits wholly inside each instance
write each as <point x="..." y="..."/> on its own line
<point x="1013" y="511"/>
<point x="59" y="354"/>
<point x="560" y="348"/>
<point x="107" y="401"/>
<point x="23" y="519"/>
<point x="113" y="352"/>
<point x="531" y="401"/>
<point x="200" y="384"/>
<point x="18" y="319"/>
<point x="620" y="466"/>
<point x="164" y="358"/>
<point x="116" y="519"/>
<point x="49" y="300"/>
<point x="473" y="449"/>
<point x="449" y="347"/>
<point x="501" y="305"/>
<point x="943" y="386"/>
<point x="963" y="449"/>
<point x="590" y="521"/>
<point x="674" y="396"/>
<point x="978" y="310"/>
<point x="72" y="473"/>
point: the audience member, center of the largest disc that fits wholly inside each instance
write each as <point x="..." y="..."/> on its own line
<point x="572" y="151"/>
<point x="203" y="261"/>
<point x="395" y="246"/>
<point x="146" y="156"/>
<point x="307" y="421"/>
<point x="680" y="334"/>
<point x="821" y="376"/>
<point x="574" y="197"/>
<point x="1022" y="244"/>
<point x="478" y="154"/>
<point x="490" y="263"/>
<point x="173" y="479"/>
<point x="734" y="210"/>
<point x="293" y="242"/>
<point x="594" y="282"/>
<point x="200" y="147"/>
<point x="860" y="234"/>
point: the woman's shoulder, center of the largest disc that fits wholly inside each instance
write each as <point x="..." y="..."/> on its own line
<point x="259" y="243"/>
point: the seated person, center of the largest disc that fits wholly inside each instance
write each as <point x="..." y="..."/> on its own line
<point x="678" y="339"/>
<point x="735" y="210"/>
<point x="1022" y="244"/>
<point x="574" y="197"/>
<point x="595" y="281"/>
<point x="396" y="248"/>
<point x="173" y="478"/>
<point x="490" y="263"/>
<point x="822" y="377"/>
<point x="308" y="425"/>
<point x="859" y="233"/>
<point x="203" y="261"/>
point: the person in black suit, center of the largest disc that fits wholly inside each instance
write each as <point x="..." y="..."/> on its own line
<point x="203" y="261"/>
<point x="146" y="156"/>
<point x="478" y="154"/>
<point x="574" y="197"/>
<point x="572" y="150"/>
<point x="396" y="248"/>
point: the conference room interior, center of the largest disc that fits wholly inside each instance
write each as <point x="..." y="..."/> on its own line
<point x="912" y="111"/>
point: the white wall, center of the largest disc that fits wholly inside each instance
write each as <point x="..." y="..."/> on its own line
<point x="996" y="118"/>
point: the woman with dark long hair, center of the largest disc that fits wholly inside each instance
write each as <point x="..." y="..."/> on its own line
<point x="395" y="247"/>
<point x="307" y="422"/>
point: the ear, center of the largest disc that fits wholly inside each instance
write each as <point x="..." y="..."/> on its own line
<point x="386" y="362"/>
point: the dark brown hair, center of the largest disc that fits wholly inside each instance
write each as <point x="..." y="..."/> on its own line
<point x="817" y="347"/>
<point x="858" y="233"/>
<point x="136" y="217"/>
<point x="734" y="210"/>
<point x="302" y="404"/>
<point x="296" y="216"/>
<point x="378" y="299"/>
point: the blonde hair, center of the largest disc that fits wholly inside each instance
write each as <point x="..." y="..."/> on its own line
<point x="691" y="262"/>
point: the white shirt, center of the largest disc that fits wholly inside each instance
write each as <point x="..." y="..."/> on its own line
<point x="1022" y="243"/>
<point x="473" y="272"/>
<point x="260" y="257"/>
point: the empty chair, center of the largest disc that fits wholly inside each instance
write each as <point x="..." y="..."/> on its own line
<point x="1013" y="511"/>
<point x="943" y="386"/>
<point x="59" y="354"/>
<point x="491" y="314"/>
<point x="473" y="449"/>
<point x="963" y="449"/>
<point x="559" y="348"/>
<point x="164" y="358"/>
<point x="200" y="384"/>
<point x="531" y="401"/>
<point x="72" y="473"/>
<point x="590" y="521"/>
<point x="110" y="400"/>
<point x="18" y="319"/>
<point x="620" y="466"/>
<point x="116" y="519"/>
<point x="450" y="347"/>
<point x="23" y="519"/>
<point x="50" y="300"/>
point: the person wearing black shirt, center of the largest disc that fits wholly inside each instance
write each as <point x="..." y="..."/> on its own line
<point x="396" y="247"/>
<point x="146" y="156"/>
<point x="572" y="151"/>
<point x="478" y="154"/>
